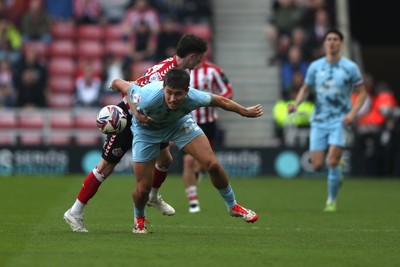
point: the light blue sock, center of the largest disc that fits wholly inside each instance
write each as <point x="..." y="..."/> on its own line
<point x="139" y="213"/>
<point x="333" y="183"/>
<point x="228" y="195"/>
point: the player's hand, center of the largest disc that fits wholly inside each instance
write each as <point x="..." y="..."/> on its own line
<point x="348" y="119"/>
<point x="292" y="108"/>
<point x="254" y="111"/>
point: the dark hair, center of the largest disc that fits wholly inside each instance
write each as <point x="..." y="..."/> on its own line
<point x="190" y="43"/>
<point x="177" y="79"/>
<point x="335" y="31"/>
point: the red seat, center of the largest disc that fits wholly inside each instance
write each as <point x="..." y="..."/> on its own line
<point x="8" y="119"/>
<point x="62" y="66"/>
<point x="61" y="84"/>
<point x="117" y="48"/>
<point x="111" y="99"/>
<point x="61" y="120"/>
<point x="62" y="48"/>
<point x="63" y="30"/>
<point x="60" y="100"/>
<point x="60" y="138"/>
<point x="114" y="32"/>
<point x="30" y="119"/>
<point x="140" y="68"/>
<point x="84" y="138"/>
<point x="202" y="30"/>
<point x="97" y="64"/>
<point x="8" y="124"/>
<point x="30" y="138"/>
<point x="86" y="119"/>
<point x="90" y="32"/>
<point x="90" y="49"/>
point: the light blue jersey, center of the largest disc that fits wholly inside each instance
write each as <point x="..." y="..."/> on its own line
<point x="167" y="125"/>
<point x="333" y="84"/>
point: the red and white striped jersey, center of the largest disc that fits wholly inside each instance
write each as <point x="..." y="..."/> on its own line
<point x="155" y="73"/>
<point x="208" y="77"/>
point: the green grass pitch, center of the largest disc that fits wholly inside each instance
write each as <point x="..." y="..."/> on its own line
<point x="291" y="230"/>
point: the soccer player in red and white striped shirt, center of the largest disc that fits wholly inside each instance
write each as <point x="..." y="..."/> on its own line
<point x="190" y="51"/>
<point x="210" y="78"/>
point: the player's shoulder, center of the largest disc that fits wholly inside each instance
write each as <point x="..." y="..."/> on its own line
<point x="347" y="62"/>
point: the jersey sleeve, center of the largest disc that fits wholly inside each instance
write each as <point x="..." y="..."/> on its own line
<point x="198" y="98"/>
<point x="309" y="79"/>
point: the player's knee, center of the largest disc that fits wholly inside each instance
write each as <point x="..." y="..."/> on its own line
<point x="188" y="161"/>
<point x="212" y="166"/>
<point x="317" y="165"/>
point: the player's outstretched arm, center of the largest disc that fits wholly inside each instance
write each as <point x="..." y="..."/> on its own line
<point x="230" y="105"/>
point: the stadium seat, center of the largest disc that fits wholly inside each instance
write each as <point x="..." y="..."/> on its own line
<point x="62" y="48"/>
<point x="61" y="84"/>
<point x="111" y="99"/>
<point x="8" y="123"/>
<point x="62" y="66"/>
<point x="117" y="48"/>
<point x="61" y="120"/>
<point x="63" y="30"/>
<point x="86" y="119"/>
<point x="90" y="49"/>
<point x="30" y="119"/>
<point x="114" y="32"/>
<point x="139" y="68"/>
<point x="87" y="138"/>
<point x="202" y="30"/>
<point x="60" y="100"/>
<point x="92" y="32"/>
<point x="30" y="138"/>
<point x="60" y="138"/>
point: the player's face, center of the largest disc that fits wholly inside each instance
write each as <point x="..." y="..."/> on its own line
<point x="332" y="44"/>
<point x="174" y="96"/>
<point x="194" y="60"/>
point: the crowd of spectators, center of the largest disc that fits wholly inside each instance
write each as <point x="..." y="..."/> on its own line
<point x="145" y="31"/>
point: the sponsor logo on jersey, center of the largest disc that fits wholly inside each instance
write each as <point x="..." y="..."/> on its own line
<point x="155" y="77"/>
<point x="136" y="98"/>
<point x="117" y="152"/>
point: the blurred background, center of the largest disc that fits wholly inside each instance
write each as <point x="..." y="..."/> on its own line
<point x="57" y="59"/>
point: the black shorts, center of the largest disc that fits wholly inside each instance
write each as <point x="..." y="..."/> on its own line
<point x="115" y="146"/>
<point x="210" y="130"/>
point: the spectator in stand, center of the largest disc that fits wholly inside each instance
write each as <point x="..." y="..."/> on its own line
<point x="299" y="38"/>
<point x="170" y="9"/>
<point x="60" y="10"/>
<point x="30" y="80"/>
<point x="113" y="11"/>
<point x="7" y="11"/>
<point x="317" y="33"/>
<point x="197" y="11"/>
<point x="10" y="41"/>
<point x="294" y="63"/>
<point x="7" y="93"/>
<point x="141" y="12"/>
<point x="87" y="11"/>
<point x="168" y="37"/>
<point x="143" y="44"/>
<point x="88" y="87"/>
<point x="286" y="17"/>
<point x="206" y="77"/>
<point x="35" y="24"/>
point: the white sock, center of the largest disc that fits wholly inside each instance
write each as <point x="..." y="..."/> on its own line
<point x="153" y="193"/>
<point x="77" y="208"/>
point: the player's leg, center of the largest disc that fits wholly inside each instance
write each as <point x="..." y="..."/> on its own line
<point x="190" y="182"/>
<point x="162" y="165"/>
<point x="200" y="149"/>
<point x="114" y="148"/>
<point x="337" y="140"/>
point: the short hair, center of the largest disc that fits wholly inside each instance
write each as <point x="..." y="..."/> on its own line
<point x="335" y="31"/>
<point x="191" y="43"/>
<point x="177" y="79"/>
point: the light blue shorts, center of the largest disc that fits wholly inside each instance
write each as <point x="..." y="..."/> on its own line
<point x="322" y="137"/>
<point x="146" y="141"/>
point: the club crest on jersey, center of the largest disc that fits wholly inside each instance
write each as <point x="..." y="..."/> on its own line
<point x="155" y="77"/>
<point x="136" y="98"/>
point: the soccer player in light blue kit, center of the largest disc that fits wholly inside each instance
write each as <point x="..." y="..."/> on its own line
<point x="333" y="78"/>
<point x="168" y="105"/>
